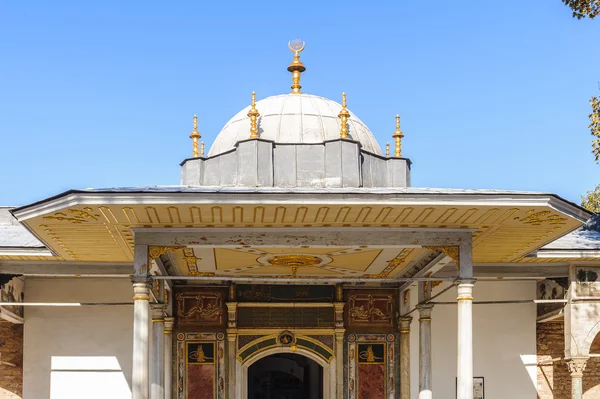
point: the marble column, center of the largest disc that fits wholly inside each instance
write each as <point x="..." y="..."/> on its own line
<point x="169" y="323"/>
<point x="576" y="367"/>
<point x="405" y="357"/>
<point x="425" y="391"/>
<point x="339" y="364"/>
<point x="465" y="340"/>
<point x="157" y="384"/>
<point x="141" y="365"/>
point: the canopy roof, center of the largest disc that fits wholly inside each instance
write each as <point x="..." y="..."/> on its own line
<point x="97" y="225"/>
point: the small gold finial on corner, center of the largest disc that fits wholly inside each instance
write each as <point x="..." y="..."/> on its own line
<point x="344" y="115"/>
<point x="398" y="138"/>
<point x="202" y="149"/>
<point x="253" y="114"/>
<point x="296" y="66"/>
<point x="387" y="150"/>
<point x="195" y="136"/>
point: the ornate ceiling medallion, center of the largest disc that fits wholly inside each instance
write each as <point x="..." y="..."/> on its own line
<point x="294" y="260"/>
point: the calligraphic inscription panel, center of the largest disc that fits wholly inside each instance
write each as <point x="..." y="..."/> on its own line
<point x="370" y="310"/>
<point x="285" y="317"/>
<point x="201" y="309"/>
<point x="371" y="366"/>
<point x="285" y="293"/>
<point x="200" y="366"/>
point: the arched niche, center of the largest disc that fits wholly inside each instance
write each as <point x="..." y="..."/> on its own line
<point x="328" y="366"/>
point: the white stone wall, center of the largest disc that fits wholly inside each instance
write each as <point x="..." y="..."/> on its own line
<point x="504" y="342"/>
<point x="78" y="352"/>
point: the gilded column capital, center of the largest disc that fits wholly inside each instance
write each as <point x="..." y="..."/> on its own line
<point x="169" y="324"/>
<point x="577" y="365"/>
<point x="141" y="289"/>
<point x="404" y="324"/>
<point x="465" y="290"/>
<point x="158" y="312"/>
<point x="425" y="310"/>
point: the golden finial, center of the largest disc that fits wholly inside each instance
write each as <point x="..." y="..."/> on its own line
<point x="296" y="66"/>
<point x="344" y="115"/>
<point x="398" y="138"/>
<point x="195" y="136"/>
<point x="253" y="114"/>
<point x="387" y="150"/>
<point x="202" y="149"/>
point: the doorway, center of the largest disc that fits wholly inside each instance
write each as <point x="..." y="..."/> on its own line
<point x="285" y="376"/>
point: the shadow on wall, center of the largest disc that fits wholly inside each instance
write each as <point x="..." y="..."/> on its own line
<point x="553" y="377"/>
<point x="90" y="377"/>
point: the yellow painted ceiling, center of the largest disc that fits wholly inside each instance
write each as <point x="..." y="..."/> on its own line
<point x="102" y="233"/>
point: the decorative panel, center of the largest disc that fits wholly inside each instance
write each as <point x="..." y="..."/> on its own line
<point x="371" y="367"/>
<point x="201" y="309"/>
<point x="252" y="317"/>
<point x="285" y="293"/>
<point x="200" y="366"/>
<point x="366" y="310"/>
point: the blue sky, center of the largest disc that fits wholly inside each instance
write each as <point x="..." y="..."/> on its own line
<point x="493" y="94"/>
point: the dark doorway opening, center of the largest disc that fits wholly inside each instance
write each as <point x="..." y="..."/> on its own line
<point x="285" y="376"/>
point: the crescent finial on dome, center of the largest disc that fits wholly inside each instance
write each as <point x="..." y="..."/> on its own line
<point x="296" y="66"/>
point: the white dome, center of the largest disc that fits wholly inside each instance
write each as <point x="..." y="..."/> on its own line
<point x="294" y="118"/>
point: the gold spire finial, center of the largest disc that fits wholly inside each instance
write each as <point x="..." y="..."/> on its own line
<point x="202" y="149"/>
<point x="344" y="115"/>
<point x="195" y="136"/>
<point x="387" y="150"/>
<point x="253" y="114"/>
<point x="398" y="138"/>
<point x="296" y="66"/>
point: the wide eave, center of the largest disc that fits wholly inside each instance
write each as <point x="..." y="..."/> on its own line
<point x="96" y="225"/>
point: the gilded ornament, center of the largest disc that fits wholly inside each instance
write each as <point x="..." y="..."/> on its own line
<point x="398" y="138"/>
<point x="78" y="216"/>
<point x="195" y="136"/>
<point x="344" y="115"/>
<point x="294" y="260"/>
<point x="253" y="114"/>
<point x="296" y="67"/>
<point x="156" y="251"/>
<point x="365" y="312"/>
<point x="543" y="217"/>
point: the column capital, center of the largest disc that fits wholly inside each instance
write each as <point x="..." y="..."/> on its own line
<point x="577" y="365"/>
<point x="465" y="290"/>
<point x="158" y="312"/>
<point x="404" y="324"/>
<point x="169" y="324"/>
<point x="141" y="289"/>
<point x="425" y="311"/>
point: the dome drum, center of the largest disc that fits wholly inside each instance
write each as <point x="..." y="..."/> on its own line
<point x="265" y="163"/>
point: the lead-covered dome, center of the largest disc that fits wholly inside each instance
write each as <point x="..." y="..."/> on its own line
<point x="294" y="118"/>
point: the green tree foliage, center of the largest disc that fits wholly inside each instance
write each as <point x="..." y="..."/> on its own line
<point x="591" y="201"/>
<point x="584" y="8"/>
<point x="595" y="127"/>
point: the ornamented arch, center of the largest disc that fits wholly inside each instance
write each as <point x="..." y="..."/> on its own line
<point x="268" y="346"/>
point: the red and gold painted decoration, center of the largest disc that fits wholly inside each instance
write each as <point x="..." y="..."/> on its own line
<point x="201" y="365"/>
<point x="368" y="309"/>
<point x="371" y="366"/>
<point x="201" y="308"/>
